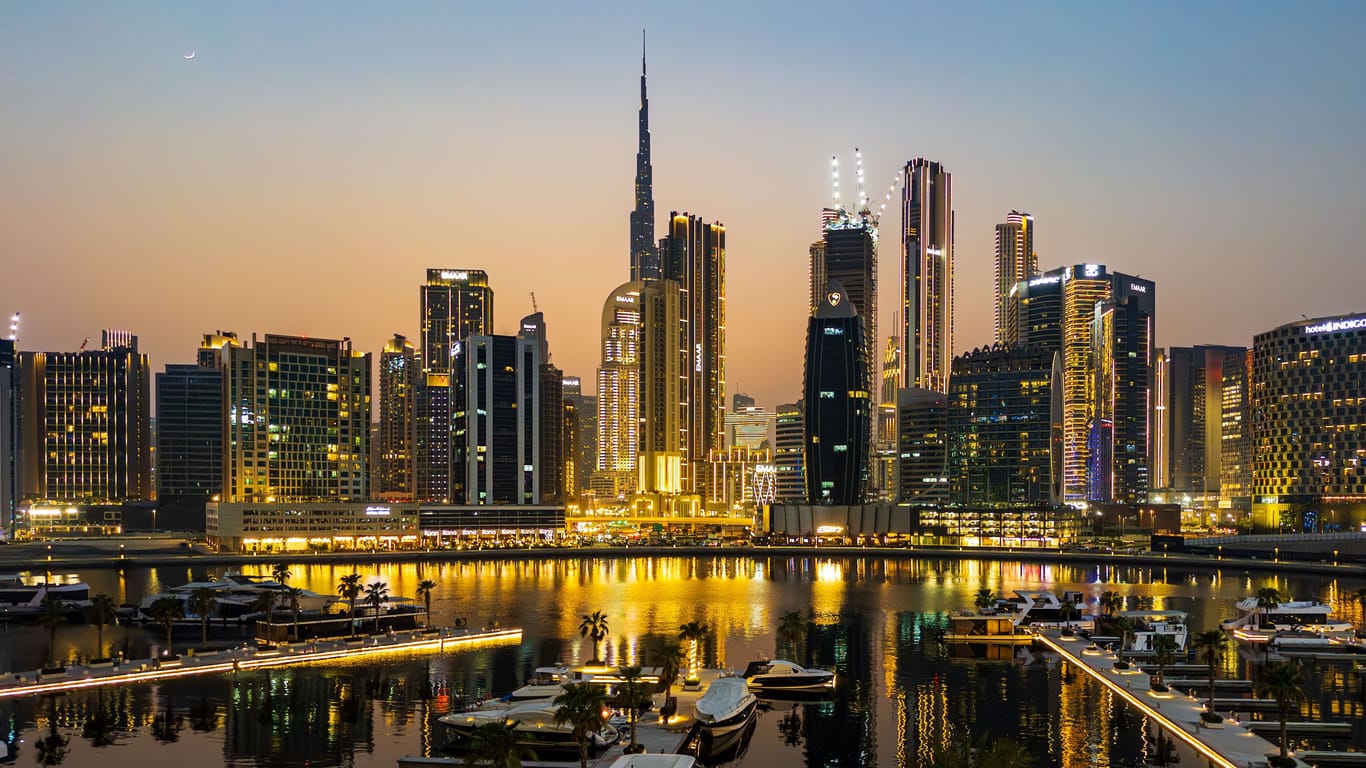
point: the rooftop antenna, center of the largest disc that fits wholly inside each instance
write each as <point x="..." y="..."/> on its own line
<point x="858" y="172"/>
<point x="835" y="178"/>
<point x="14" y="328"/>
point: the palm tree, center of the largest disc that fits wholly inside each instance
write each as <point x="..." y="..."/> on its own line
<point x="202" y="602"/>
<point x="497" y="745"/>
<point x="985" y="599"/>
<point x="594" y="627"/>
<point x="1125" y="627"/>
<point x="669" y="658"/>
<point x="350" y="589"/>
<point x="101" y="612"/>
<point x="425" y="588"/>
<point x="281" y="573"/>
<point x="631" y="696"/>
<point x="375" y="594"/>
<point x="1004" y="753"/>
<point x="53" y="615"/>
<point x="1283" y="682"/>
<point x="292" y="594"/>
<point x="1164" y="652"/>
<point x="265" y="604"/>
<point x="1268" y="598"/>
<point x="1211" y="644"/>
<point x="166" y="611"/>
<point x="792" y="630"/>
<point x="693" y="633"/>
<point x="580" y="706"/>
<point x="1067" y="611"/>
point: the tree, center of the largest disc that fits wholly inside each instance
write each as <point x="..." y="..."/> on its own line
<point x="425" y="588"/>
<point x="375" y="595"/>
<point x="1125" y="627"/>
<point x="292" y="594"/>
<point x="669" y="658"/>
<point x="964" y="752"/>
<point x="985" y="600"/>
<point x="594" y="627"/>
<point x="202" y="602"/>
<point x="1268" y="598"/>
<point x="350" y="589"/>
<point x="1211" y="644"/>
<point x="265" y="603"/>
<point x="1111" y="602"/>
<point x="51" y="748"/>
<point x="580" y="706"/>
<point x="693" y="633"/>
<point x="1283" y="682"/>
<point x="101" y="612"/>
<point x="1164" y="652"/>
<point x="1067" y="611"/>
<point x="631" y="696"/>
<point x="52" y="616"/>
<point x="497" y="745"/>
<point x="166" y="611"/>
<point x="792" y="630"/>
<point x="281" y="573"/>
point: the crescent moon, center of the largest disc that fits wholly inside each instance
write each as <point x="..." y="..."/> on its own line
<point x="190" y="55"/>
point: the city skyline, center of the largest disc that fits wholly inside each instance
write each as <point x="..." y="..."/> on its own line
<point x="276" y="152"/>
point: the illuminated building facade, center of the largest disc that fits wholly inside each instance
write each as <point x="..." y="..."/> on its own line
<point x="790" y="452"/>
<point x="496" y="431"/>
<point x="1034" y="311"/>
<point x="189" y="443"/>
<point x="922" y="447"/>
<point x="885" y="477"/>
<point x="741" y="478"/>
<point x="85" y="424"/>
<point x="304" y="527"/>
<point x="1001" y="417"/>
<point x="618" y="398"/>
<point x="1016" y="261"/>
<point x="1189" y="449"/>
<point x="694" y="255"/>
<point x="550" y="461"/>
<point x="749" y="425"/>
<point x="1235" y="434"/>
<point x="1042" y="526"/>
<point x="298" y="421"/>
<point x="9" y="434"/>
<point x="1119" y="437"/>
<point x="664" y="377"/>
<point x="644" y="256"/>
<point x="433" y="435"/>
<point x="395" y="474"/>
<point x="585" y="432"/>
<point x="926" y="275"/>
<point x="850" y="257"/>
<point x="1309" y="426"/>
<point x="838" y="417"/>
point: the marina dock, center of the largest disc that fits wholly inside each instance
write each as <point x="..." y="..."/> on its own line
<point x="237" y="659"/>
<point x="1227" y="745"/>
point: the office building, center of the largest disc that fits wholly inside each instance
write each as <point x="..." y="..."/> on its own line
<point x="1188" y="445"/>
<point x="85" y="431"/>
<point x="1119" y="436"/>
<point x="301" y="526"/>
<point x="694" y="255"/>
<point x="926" y="275"/>
<point x="496" y="429"/>
<point x="741" y="479"/>
<point x="585" y="432"/>
<point x="838" y="414"/>
<point x="1001" y="427"/>
<point x="645" y="263"/>
<point x="618" y="386"/>
<point x="790" y="452"/>
<point x="748" y="425"/>
<point x="455" y="303"/>
<point x="1309" y="426"/>
<point x="1015" y="262"/>
<point x="1034" y="312"/>
<point x="9" y="435"/>
<point x="551" y="460"/>
<point x="189" y="444"/>
<point x="816" y="271"/>
<point x="1235" y="435"/>
<point x="922" y="447"/>
<point x="433" y="435"/>
<point x="850" y="257"/>
<point x="394" y="475"/>
<point x="885" y="477"/>
<point x="298" y="421"/>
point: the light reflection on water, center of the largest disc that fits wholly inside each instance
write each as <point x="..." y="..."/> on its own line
<point x="875" y="620"/>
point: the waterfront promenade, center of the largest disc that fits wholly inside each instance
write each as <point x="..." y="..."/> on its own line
<point x="1228" y="745"/>
<point x="238" y="659"/>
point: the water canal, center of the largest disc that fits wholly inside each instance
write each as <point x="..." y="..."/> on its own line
<point x="873" y="620"/>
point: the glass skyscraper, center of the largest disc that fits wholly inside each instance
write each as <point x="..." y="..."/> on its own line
<point x="838" y="403"/>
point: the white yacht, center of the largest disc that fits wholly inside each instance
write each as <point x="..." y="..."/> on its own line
<point x="1044" y="608"/>
<point x="1260" y="625"/>
<point x="1147" y="625"/>
<point x="235" y="598"/>
<point x="726" y="706"/>
<point x="536" y="725"/>
<point x="20" y="598"/>
<point x="786" y="676"/>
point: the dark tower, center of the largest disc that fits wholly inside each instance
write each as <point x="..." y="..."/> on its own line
<point x="644" y="256"/>
<point x="838" y="408"/>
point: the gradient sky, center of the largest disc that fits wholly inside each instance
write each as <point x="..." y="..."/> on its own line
<point x="313" y="159"/>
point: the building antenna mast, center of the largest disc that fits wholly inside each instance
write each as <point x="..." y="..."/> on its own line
<point x="858" y="172"/>
<point x="14" y="328"/>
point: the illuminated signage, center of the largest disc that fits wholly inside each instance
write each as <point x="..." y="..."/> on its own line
<point x="834" y="298"/>
<point x="931" y="250"/>
<point x="1092" y="270"/>
<point x="698" y="354"/>
<point x="1044" y="280"/>
<point x="822" y="529"/>
<point x="1138" y="288"/>
<point x="448" y="274"/>
<point x="377" y="511"/>
<point x="1337" y="325"/>
<point x="834" y="331"/>
<point x="626" y="299"/>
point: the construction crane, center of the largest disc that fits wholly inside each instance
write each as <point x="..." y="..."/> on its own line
<point x="534" y="308"/>
<point x="865" y="203"/>
<point x="83" y="343"/>
<point x="14" y="328"/>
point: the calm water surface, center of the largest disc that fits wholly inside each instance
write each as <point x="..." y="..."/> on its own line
<point x="874" y="620"/>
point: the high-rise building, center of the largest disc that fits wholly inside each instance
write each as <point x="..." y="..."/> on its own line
<point x="433" y="434"/>
<point x="85" y="424"/>
<point x="496" y="431"/>
<point x="816" y="273"/>
<point x="694" y="255"/>
<point x="1034" y="312"/>
<point x="455" y="303"/>
<point x="1192" y="418"/>
<point x="1235" y="435"/>
<point x="749" y="425"/>
<point x="395" y="474"/>
<point x="298" y="420"/>
<point x="850" y="257"/>
<point x="1001" y="419"/>
<point x="838" y="409"/>
<point x="1015" y="261"/>
<point x="789" y="453"/>
<point x="740" y="401"/>
<point x="551" y="461"/>
<point x="585" y="432"/>
<point x="644" y="256"/>
<point x="618" y="385"/>
<point x="885" y="478"/>
<point x="9" y="434"/>
<point x="741" y="478"/>
<point x="665" y="374"/>
<point x="922" y="447"/>
<point x="1119" y="436"/>
<point x="1309" y="426"/>
<point x="189" y="443"/>
<point x="926" y="275"/>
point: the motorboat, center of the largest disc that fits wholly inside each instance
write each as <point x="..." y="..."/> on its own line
<point x="726" y="705"/>
<point x="1260" y="625"/>
<point x="986" y="628"/>
<point x="236" y="597"/>
<point x="1313" y="641"/>
<point x="1147" y="625"/>
<point x="1040" y="607"/>
<point x="654" y="761"/>
<point x="535" y="726"/>
<point x="786" y="675"/>
<point x="24" y="599"/>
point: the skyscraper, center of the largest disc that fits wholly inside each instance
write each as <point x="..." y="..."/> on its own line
<point x="694" y="255"/>
<point x="455" y="303"/>
<point x="395" y="475"/>
<point x="618" y="386"/>
<point x="85" y="424"/>
<point x="850" y="255"/>
<point x="496" y="432"/>
<point x="551" y="459"/>
<point x="645" y="261"/>
<point x="789" y="456"/>
<point x="189" y="437"/>
<point x="1034" y="311"/>
<point x="9" y="434"/>
<point x="922" y="421"/>
<point x="885" y="445"/>
<point x="585" y="432"/>
<point x="298" y="421"/>
<point x="926" y="275"/>
<point x="838" y="407"/>
<point x="749" y="426"/>
<point x="1235" y="435"/>
<point x="1123" y="357"/>
<point x="1015" y="261"/>
<point x="1192" y="417"/>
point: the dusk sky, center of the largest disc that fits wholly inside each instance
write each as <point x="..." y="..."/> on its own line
<point x="301" y="172"/>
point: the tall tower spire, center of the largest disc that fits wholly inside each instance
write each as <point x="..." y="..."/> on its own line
<point x="644" y="255"/>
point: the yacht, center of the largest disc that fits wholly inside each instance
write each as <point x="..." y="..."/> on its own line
<point x="536" y="726"/>
<point x="654" y="761"/>
<point x="1260" y="625"/>
<point x="235" y="598"/>
<point x="1147" y="625"/>
<point x="24" y="599"/>
<point x="309" y="602"/>
<point x="726" y="706"/>
<point x="785" y="675"/>
<point x="1043" y="608"/>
